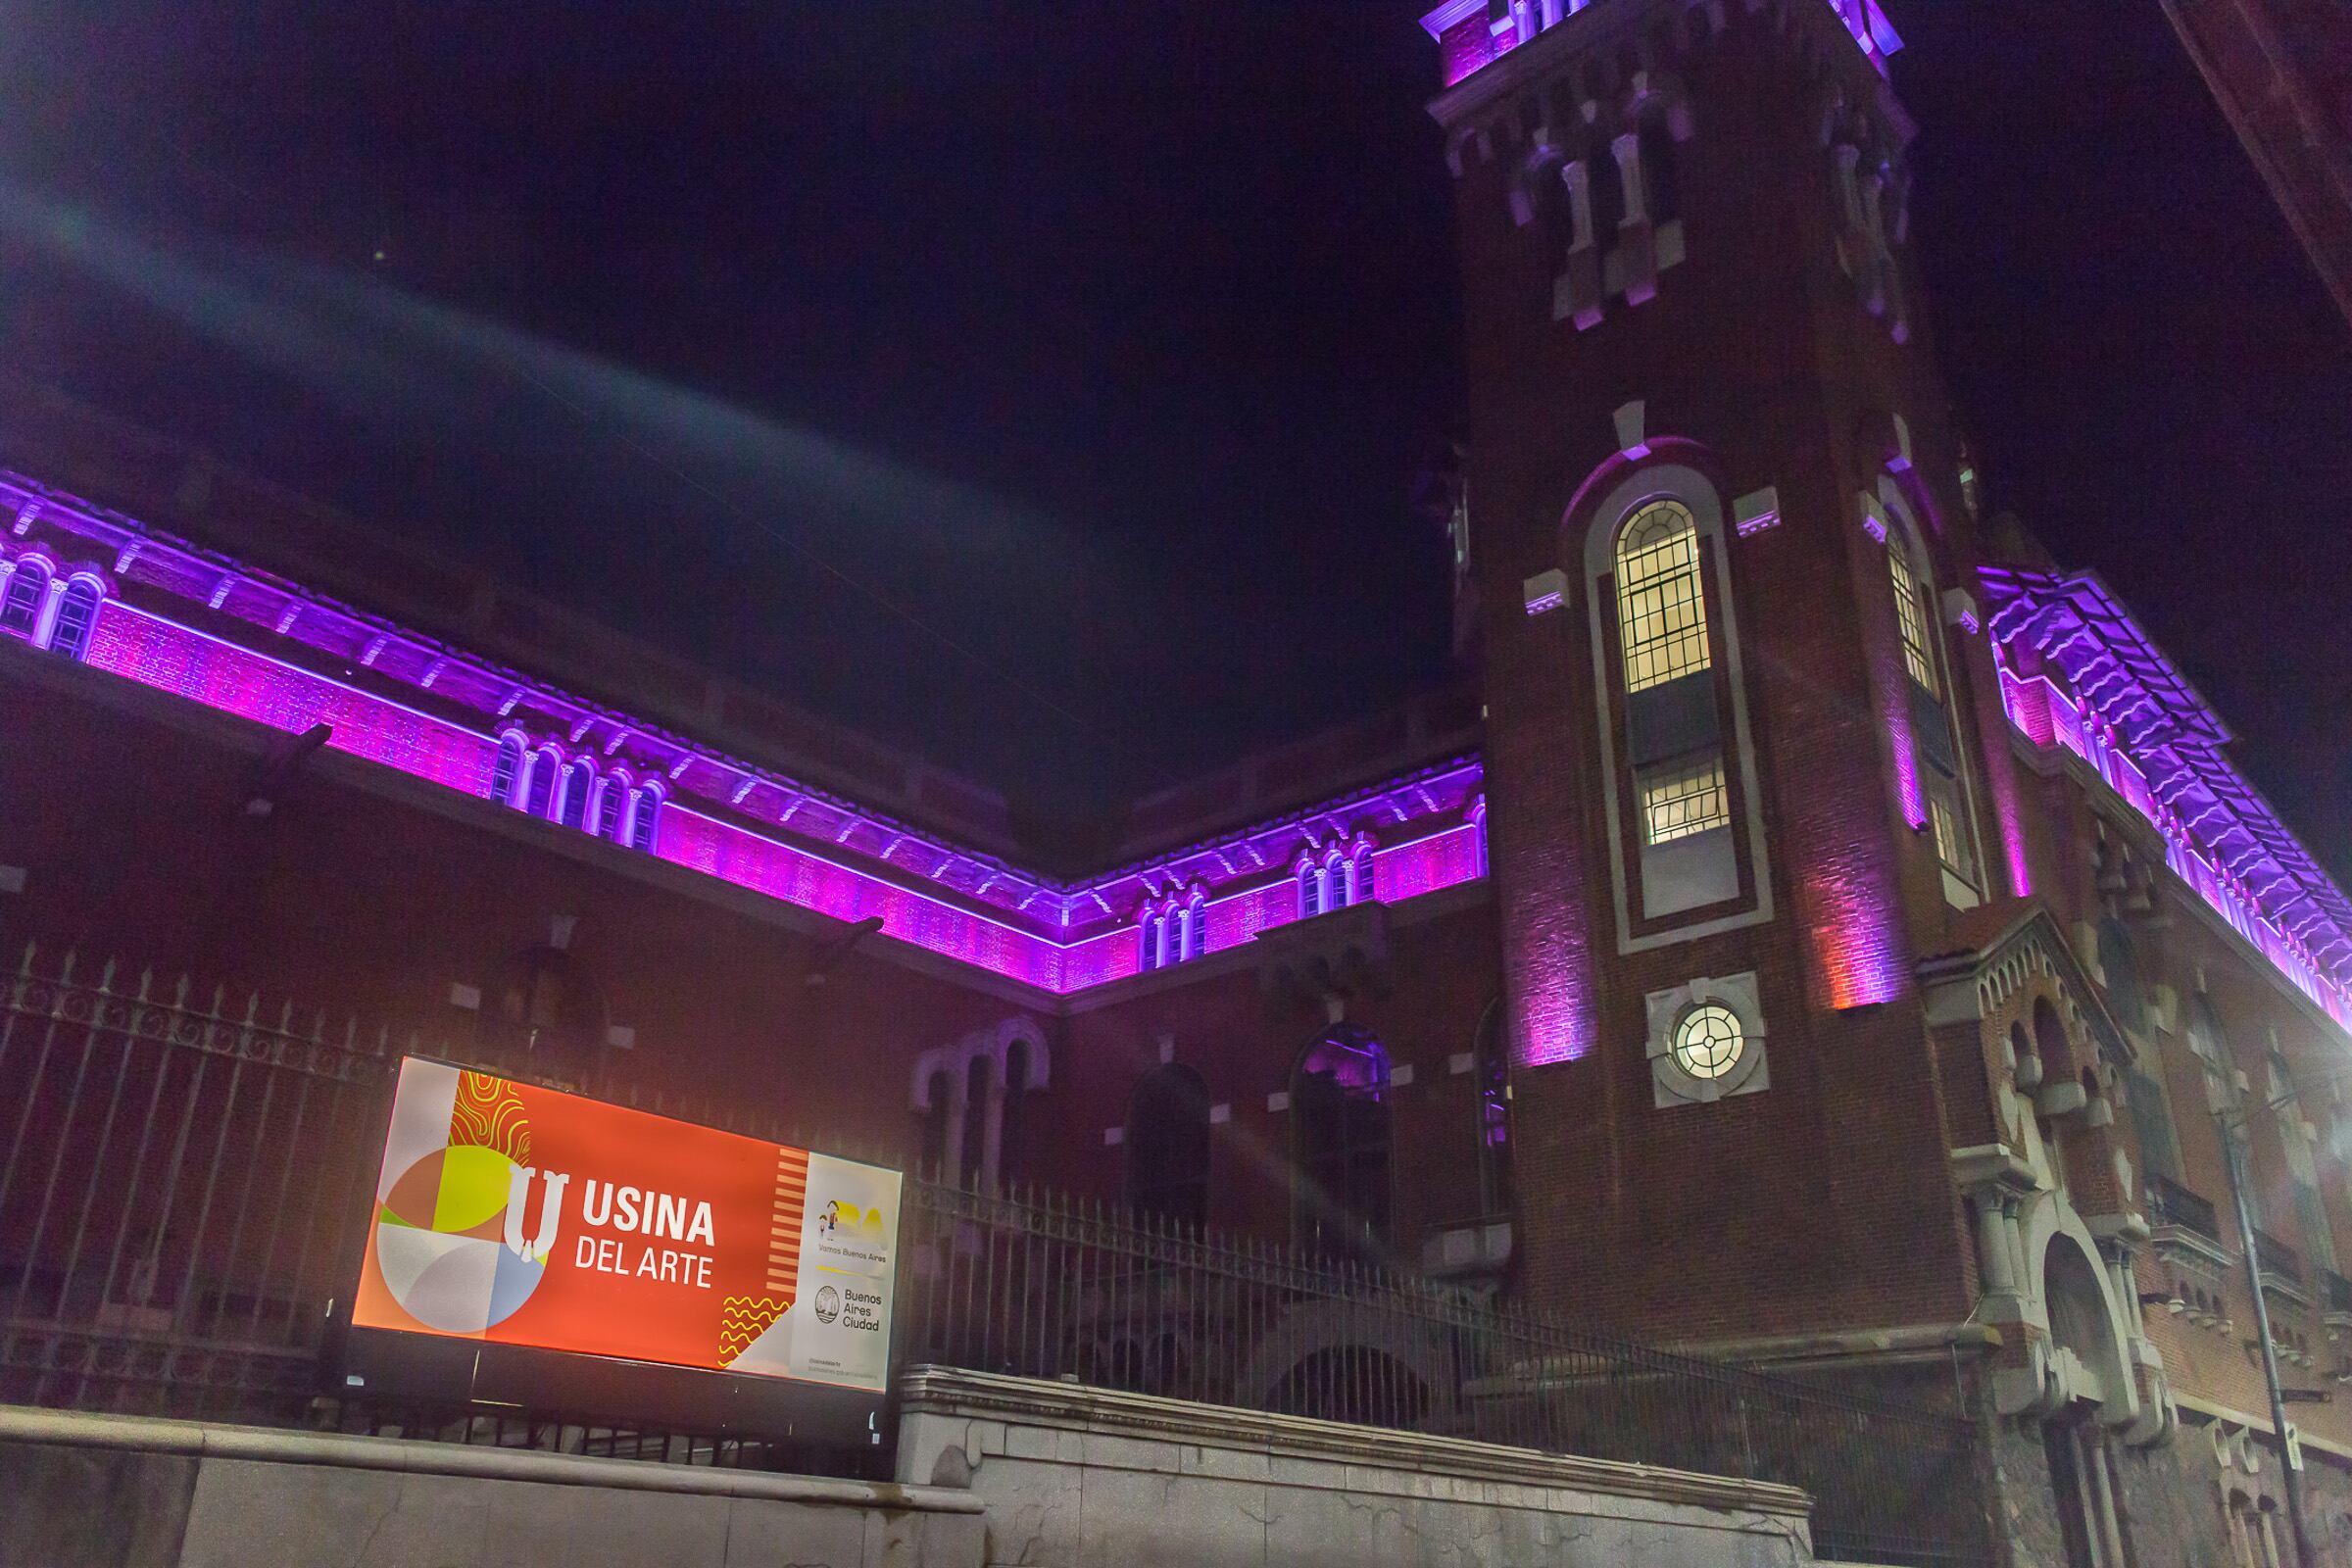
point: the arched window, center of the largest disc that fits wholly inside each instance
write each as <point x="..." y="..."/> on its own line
<point x="939" y="1112"/>
<point x="539" y="786"/>
<point x="645" y="815"/>
<point x="601" y="797"/>
<point x="614" y="806"/>
<point x="1913" y="617"/>
<point x="972" y="1163"/>
<point x="77" y="617"/>
<point x="1167" y="1147"/>
<point x="1608" y="192"/>
<point x="2152" y="1120"/>
<point x="27" y="586"/>
<point x="1936" y="755"/>
<point x="504" y="769"/>
<point x="1493" y="1066"/>
<point x="1196" y="928"/>
<point x="578" y="778"/>
<point x="1310" y="891"/>
<point x="1661" y="171"/>
<point x="2120" y="969"/>
<point x="1661" y="605"/>
<point x="1341" y="1142"/>
<point x="2210" y="1043"/>
<point x="1011" y="1128"/>
<point x="1146" y="941"/>
<point x="1673" y="725"/>
<point x="1335" y="881"/>
<point x="1359" y="874"/>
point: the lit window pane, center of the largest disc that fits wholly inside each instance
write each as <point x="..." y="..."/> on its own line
<point x="1661" y="608"/>
<point x="1911" y="617"/>
<point x="1951" y="836"/>
<point x="1679" y="802"/>
<point x="1709" y="1041"/>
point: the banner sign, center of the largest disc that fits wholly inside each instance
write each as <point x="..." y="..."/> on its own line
<point x="520" y="1215"/>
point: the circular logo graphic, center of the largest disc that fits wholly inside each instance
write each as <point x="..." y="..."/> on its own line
<point x="440" y="1239"/>
<point x="828" y="1304"/>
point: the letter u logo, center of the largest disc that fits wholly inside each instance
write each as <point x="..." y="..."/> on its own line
<point x="551" y="1212"/>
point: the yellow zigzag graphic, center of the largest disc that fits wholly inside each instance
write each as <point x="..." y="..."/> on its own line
<point x="489" y="1114"/>
<point x="743" y="1319"/>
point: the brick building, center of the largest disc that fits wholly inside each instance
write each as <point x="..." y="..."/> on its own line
<point x="1817" y="935"/>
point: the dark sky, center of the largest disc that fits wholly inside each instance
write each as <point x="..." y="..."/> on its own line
<point x="1041" y="384"/>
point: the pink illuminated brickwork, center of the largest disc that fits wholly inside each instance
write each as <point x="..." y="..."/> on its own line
<point x="1059" y="938"/>
<point x="1440" y="860"/>
<point x="2107" y="694"/>
<point x="797" y="876"/>
<point x="153" y="651"/>
<point x="1472" y="34"/>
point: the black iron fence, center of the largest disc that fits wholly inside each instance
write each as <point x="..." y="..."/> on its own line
<point x="1045" y="1286"/>
<point x="184" y="1197"/>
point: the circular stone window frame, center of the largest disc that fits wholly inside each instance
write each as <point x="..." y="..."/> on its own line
<point x="1671" y="1082"/>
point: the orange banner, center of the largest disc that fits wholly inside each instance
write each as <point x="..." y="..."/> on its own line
<point x="522" y="1215"/>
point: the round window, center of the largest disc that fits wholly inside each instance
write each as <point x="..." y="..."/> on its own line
<point x="1709" y="1041"/>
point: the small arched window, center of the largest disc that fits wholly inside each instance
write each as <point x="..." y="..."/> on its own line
<point x="1012" y="1120"/>
<point x="1608" y="192"/>
<point x="1310" y="891"/>
<point x="2120" y="969"/>
<point x="1492" y="1064"/>
<point x="1196" y="928"/>
<point x="539" y="786"/>
<point x="1359" y="874"/>
<point x="505" y="768"/>
<point x="1341" y="1142"/>
<point x="1913" y="617"/>
<point x="77" y="617"/>
<point x="1936" y="753"/>
<point x="1146" y="941"/>
<point x="20" y="607"/>
<point x="1335" y="882"/>
<point x="1661" y="170"/>
<point x="645" y="815"/>
<point x="577" y="780"/>
<point x="1168" y="1147"/>
<point x="1661" y="606"/>
<point x="940" y="1105"/>
<point x="971" y="1165"/>
<point x="615" y="801"/>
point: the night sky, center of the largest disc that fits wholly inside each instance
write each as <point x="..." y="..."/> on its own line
<point x="1041" y="385"/>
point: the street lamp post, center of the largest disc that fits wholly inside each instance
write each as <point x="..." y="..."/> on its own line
<point x="2291" y="1476"/>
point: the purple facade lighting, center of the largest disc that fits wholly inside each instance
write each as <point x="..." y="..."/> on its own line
<point x="1055" y="937"/>
<point x="219" y="674"/>
<point x="1472" y="34"/>
<point x="2079" y="672"/>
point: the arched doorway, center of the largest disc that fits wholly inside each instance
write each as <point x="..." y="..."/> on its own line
<point x="2088" y="1363"/>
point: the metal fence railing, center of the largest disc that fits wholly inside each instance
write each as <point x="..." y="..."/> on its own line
<point x="1046" y="1286"/>
<point x="184" y="1190"/>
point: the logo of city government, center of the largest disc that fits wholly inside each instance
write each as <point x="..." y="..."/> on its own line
<point x="449" y="1232"/>
<point x="828" y="1304"/>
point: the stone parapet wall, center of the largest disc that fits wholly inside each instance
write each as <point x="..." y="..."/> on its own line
<point x="106" y="1492"/>
<point x="1073" y="1475"/>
